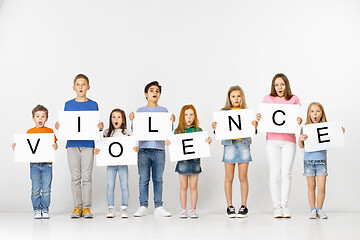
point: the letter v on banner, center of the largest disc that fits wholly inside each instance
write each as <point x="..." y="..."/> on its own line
<point x="36" y="146"/>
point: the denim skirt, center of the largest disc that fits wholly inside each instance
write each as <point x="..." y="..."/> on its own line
<point x="188" y="167"/>
<point x="237" y="152"/>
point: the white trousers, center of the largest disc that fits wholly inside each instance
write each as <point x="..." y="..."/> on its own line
<point x="280" y="155"/>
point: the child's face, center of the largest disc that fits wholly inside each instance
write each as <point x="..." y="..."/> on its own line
<point x="280" y="87"/>
<point x="153" y="94"/>
<point x="235" y="98"/>
<point x="315" y="114"/>
<point x="116" y="120"/>
<point x="40" y="119"/>
<point x="81" y="86"/>
<point x="189" y="117"/>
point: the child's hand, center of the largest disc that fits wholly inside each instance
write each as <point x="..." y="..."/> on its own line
<point x="213" y="125"/>
<point x="55" y="146"/>
<point x="343" y="129"/>
<point x="57" y="125"/>
<point x="131" y="116"/>
<point x="96" y="151"/>
<point x="100" y="126"/>
<point x="303" y="137"/>
<point x="208" y="140"/>
<point x="255" y="123"/>
<point x="172" y="118"/>
<point x="299" y="120"/>
<point x="167" y="142"/>
<point x="136" y="149"/>
<point x="13" y="146"/>
<point x="258" y="117"/>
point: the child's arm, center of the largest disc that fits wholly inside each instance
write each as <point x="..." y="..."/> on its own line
<point x="208" y="140"/>
<point x="258" y="117"/>
<point x="172" y="118"/>
<point x="302" y="138"/>
<point x="167" y="142"/>
<point x="55" y="146"/>
<point x="13" y="146"/>
<point x="131" y="116"/>
<point x="100" y="126"/>
<point x="136" y="149"/>
<point x="96" y="151"/>
<point x="57" y="125"/>
<point x="299" y="120"/>
<point x="255" y="124"/>
<point x="343" y="129"/>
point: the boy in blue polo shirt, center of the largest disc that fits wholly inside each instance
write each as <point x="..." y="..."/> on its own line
<point x="80" y="152"/>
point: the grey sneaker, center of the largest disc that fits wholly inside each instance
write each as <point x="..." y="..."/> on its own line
<point x="45" y="214"/>
<point x="321" y="214"/>
<point x="140" y="212"/>
<point x="37" y="214"/>
<point x="123" y="212"/>
<point x="161" y="211"/>
<point x="110" y="212"/>
<point x="278" y="213"/>
<point x="313" y="214"/>
<point x="286" y="212"/>
<point x="183" y="213"/>
<point x="193" y="213"/>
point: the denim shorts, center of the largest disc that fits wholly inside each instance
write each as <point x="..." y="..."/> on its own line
<point x="188" y="167"/>
<point x="237" y="152"/>
<point x="314" y="168"/>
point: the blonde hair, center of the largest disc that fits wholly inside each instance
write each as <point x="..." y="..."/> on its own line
<point x="323" y="116"/>
<point x="228" y="102"/>
<point x="181" y="126"/>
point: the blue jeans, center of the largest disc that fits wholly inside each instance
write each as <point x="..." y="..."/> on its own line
<point x="41" y="176"/>
<point x="151" y="160"/>
<point x="111" y="178"/>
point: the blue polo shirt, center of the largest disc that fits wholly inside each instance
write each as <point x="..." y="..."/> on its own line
<point x="73" y="105"/>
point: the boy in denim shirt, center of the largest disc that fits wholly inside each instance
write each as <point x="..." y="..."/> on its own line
<point x="151" y="157"/>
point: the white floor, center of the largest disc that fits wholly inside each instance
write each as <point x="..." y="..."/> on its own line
<point x="209" y="226"/>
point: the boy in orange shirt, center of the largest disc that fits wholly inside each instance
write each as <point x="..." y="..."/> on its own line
<point x="40" y="173"/>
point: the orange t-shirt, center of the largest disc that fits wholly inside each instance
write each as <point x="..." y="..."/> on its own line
<point x="42" y="130"/>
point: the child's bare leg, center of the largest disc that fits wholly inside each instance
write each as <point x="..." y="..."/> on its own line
<point x="193" y="179"/>
<point x="229" y="177"/>
<point x="183" y="190"/>
<point x="321" y="183"/>
<point x="244" y="183"/>
<point x="311" y="191"/>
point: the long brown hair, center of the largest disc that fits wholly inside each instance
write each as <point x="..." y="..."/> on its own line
<point x="323" y="116"/>
<point x="181" y="126"/>
<point x="288" y="94"/>
<point x="123" y="124"/>
<point x="228" y="102"/>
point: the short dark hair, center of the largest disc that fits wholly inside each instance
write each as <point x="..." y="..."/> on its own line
<point x="153" y="83"/>
<point x="81" y="76"/>
<point x="40" y="108"/>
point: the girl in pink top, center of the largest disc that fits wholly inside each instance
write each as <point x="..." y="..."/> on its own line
<point x="280" y="148"/>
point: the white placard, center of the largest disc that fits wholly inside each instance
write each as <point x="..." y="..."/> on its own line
<point x="116" y="151"/>
<point x="34" y="147"/>
<point x="323" y="136"/>
<point x="234" y="124"/>
<point x="188" y="146"/>
<point x="79" y="125"/>
<point x="152" y="126"/>
<point x="279" y="118"/>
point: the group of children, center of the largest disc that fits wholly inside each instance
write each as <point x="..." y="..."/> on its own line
<point x="280" y="150"/>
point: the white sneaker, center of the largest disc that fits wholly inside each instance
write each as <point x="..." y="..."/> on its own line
<point x="37" y="214"/>
<point x="183" y="213"/>
<point x="193" y="213"/>
<point x="140" y="212"/>
<point x="313" y="214"/>
<point x="111" y="212"/>
<point x="123" y="212"/>
<point x="321" y="214"/>
<point x="45" y="214"/>
<point x="286" y="212"/>
<point x="278" y="213"/>
<point x="160" y="211"/>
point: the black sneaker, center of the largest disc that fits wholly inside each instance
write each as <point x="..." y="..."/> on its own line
<point x="243" y="211"/>
<point x="231" y="212"/>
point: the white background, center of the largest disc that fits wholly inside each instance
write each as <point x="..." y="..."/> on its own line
<point x="196" y="50"/>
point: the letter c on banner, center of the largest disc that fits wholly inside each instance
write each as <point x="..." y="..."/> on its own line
<point x="121" y="149"/>
<point x="273" y="117"/>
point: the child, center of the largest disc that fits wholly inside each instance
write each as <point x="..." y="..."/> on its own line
<point x="151" y="157"/>
<point x="280" y="148"/>
<point x="80" y="152"/>
<point x="188" y="170"/>
<point x="117" y="128"/>
<point x="236" y="151"/>
<point x="315" y="164"/>
<point x="40" y="173"/>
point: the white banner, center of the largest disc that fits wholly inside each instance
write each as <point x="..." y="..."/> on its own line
<point x="323" y="136"/>
<point x="234" y="124"/>
<point x="116" y="151"/>
<point x="279" y="118"/>
<point x="34" y="147"/>
<point x="188" y="146"/>
<point x="152" y="126"/>
<point x="79" y="125"/>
